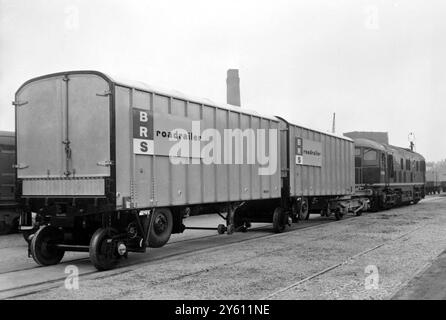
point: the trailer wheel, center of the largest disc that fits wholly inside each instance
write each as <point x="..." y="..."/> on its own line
<point x="42" y="246"/>
<point x="161" y="228"/>
<point x="102" y="252"/>
<point x="304" y="212"/>
<point x="221" y="229"/>
<point x="279" y="220"/>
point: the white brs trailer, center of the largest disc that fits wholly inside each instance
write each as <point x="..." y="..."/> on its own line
<point x="109" y="166"/>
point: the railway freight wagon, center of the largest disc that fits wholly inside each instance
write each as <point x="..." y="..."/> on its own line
<point x="113" y="167"/>
<point x="9" y="217"/>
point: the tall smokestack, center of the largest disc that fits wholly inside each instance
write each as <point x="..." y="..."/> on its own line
<point x="233" y="87"/>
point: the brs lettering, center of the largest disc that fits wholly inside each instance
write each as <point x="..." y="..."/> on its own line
<point x="142" y="131"/>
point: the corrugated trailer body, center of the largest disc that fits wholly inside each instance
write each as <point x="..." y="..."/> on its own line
<point x="189" y="183"/>
<point x="321" y="164"/>
<point x="84" y="144"/>
<point x="109" y="165"/>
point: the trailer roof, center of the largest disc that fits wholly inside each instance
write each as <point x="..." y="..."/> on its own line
<point x="316" y="130"/>
<point x="154" y="89"/>
<point x="182" y="96"/>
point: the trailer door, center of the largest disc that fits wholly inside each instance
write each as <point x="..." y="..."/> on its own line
<point x="63" y="135"/>
<point x="39" y="129"/>
<point x="89" y="125"/>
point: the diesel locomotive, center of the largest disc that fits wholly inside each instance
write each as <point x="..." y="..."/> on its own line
<point x="101" y="173"/>
<point x="9" y="216"/>
<point x="391" y="175"/>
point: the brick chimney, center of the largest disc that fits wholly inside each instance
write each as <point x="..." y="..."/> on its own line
<point x="233" y="88"/>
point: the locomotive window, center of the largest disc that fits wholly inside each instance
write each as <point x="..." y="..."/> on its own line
<point x="370" y="157"/>
<point x="370" y="154"/>
<point x="390" y="165"/>
<point x="357" y="157"/>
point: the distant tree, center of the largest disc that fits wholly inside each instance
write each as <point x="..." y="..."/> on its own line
<point x="439" y="167"/>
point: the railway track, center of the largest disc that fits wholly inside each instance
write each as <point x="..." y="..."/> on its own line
<point x="173" y="250"/>
<point x="335" y="266"/>
<point x="170" y="251"/>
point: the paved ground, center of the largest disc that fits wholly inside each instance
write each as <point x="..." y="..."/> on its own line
<point x="428" y="285"/>
<point x="369" y="257"/>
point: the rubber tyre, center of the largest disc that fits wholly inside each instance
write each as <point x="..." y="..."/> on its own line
<point x="279" y="220"/>
<point x="42" y="251"/>
<point x="161" y="228"/>
<point x="304" y="212"/>
<point x="221" y="229"/>
<point x="97" y="250"/>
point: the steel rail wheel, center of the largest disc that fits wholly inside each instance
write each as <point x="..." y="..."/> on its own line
<point x="295" y="210"/>
<point x="304" y="212"/>
<point x="103" y="252"/>
<point x="42" y="246"/>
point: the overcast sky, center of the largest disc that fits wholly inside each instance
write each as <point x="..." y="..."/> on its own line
<point x="380" y="65"/>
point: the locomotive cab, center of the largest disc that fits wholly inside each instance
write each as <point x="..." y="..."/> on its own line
<point x="370" y="162"/>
